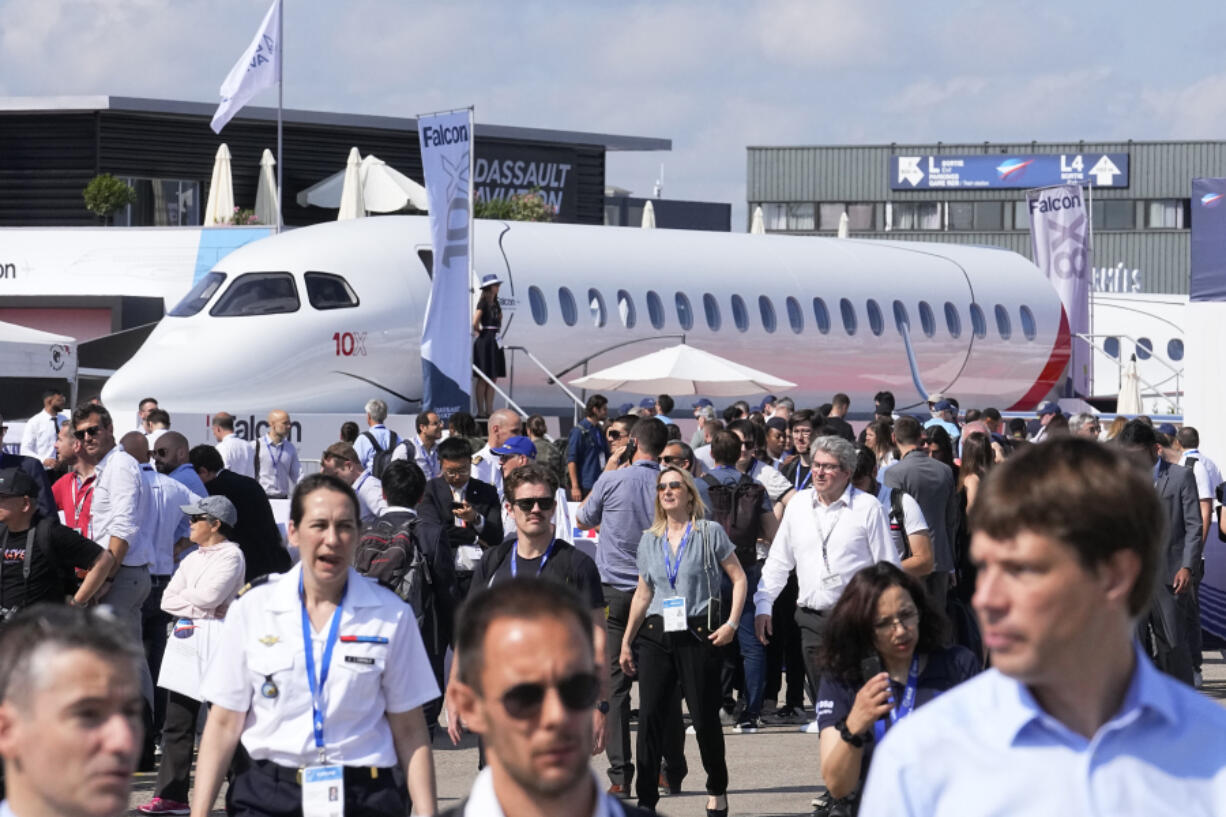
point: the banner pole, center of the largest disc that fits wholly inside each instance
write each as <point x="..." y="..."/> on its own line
<point x="280" y="90"/>
<point x="1090" y="269"/>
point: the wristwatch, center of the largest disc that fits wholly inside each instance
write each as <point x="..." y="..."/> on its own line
<point x="602" y="707"/>
<point x="846" y="734"/>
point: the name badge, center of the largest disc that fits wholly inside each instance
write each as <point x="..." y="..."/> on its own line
<point x="832" y="581"/>
<point x="674" y="614"/>
<point x="323" y="791"/>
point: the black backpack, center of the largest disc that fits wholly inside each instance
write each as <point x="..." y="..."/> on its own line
<point x="738" y="509"/>
<point x="389" y="553"/>
<point x="383" y="456"/>
<point x="898" y="521"/>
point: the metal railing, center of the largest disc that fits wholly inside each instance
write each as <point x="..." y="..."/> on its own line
<point x="1119" y="364"/>
<point x="501" y="393"/>
<point x="553" y="379"/>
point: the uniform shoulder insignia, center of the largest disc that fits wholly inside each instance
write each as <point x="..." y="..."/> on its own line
<point x="256" y="582"/>
<point x="477" y="460"/>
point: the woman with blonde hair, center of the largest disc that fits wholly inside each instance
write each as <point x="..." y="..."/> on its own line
<point x="681" y="621"/>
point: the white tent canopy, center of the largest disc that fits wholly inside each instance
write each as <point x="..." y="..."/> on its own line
<point x="683" y="369"/>
<point x="26" y="352"/>
<point x="384" y="189"/>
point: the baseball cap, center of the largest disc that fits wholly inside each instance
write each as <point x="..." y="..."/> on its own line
<point x="217" y="507"/>
<point x="514" y="446"/>
<point x="1168" y="428"/>
<point x="1048" y="408"/>
<point x="15" y="482"/>
<point x="647" y="403"/>
<point x="945" y="405"/>
<point x="625" y="408"/>
<point x="766" y="401"/>
<point x="703" y="402"/>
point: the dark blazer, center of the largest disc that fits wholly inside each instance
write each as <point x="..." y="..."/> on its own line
<point x="841" y="427"/>
<point x="435" y="507"/>
<point x="931" y="483"/>
<point x="256" y="532"/>
<point x="1184" y="543"/>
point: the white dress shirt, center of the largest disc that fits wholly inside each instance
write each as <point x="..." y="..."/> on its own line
<point x="117" y="505"/>
<point x="279" y="466"/>
<point x="1208" y="477"/>
<point x="262" y="642"/>
<point x="370" y="496"/>
<point x="483" y="800"/>
<point x="237" y="455"/>
<point x="38" y="437"/>
<point x="857" y="535"/>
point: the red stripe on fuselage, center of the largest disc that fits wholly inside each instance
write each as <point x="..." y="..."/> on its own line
<point x="1061" y="353"/>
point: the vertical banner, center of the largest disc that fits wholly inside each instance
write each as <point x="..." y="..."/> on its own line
<point x="1208" y="281"/>
<point x="446" y="339"/>
<point x="1060" y="231"/>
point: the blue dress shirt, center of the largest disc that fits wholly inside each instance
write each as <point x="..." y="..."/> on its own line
<point x="988" y="748"/>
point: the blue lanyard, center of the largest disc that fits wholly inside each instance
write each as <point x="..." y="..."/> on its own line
<point x="801" y="483"/>
<point x="908" y="701"/>
<point x="671" y="570"/>
<point x="317" y="688"/>
<point x="539" y="568"/>
<point x="275" y="453"/>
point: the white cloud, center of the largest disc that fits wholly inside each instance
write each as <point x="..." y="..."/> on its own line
<point x="929" y="93"/>
<point x="1195" y="111"/>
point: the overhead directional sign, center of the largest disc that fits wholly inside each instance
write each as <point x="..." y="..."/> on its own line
<point x="980" y="171"/>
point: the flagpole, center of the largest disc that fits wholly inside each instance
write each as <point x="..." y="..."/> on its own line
<point x="280" y="87"/>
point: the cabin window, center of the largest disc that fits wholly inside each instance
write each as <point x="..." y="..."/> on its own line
<point x="625" y="308"/>
<point x="768" y="313"/>
<point x="821" y="315"/>
<point x="570" y="313"/>
<point x="901" y="320"/>
<point x="1112" y="347"/>
<point x="1029" y="328"/>
<point x="328" y="291"/>
<point x="258" y="293"/>
<point x="928" y="321"/>
<point x="655" y="310"/>
<point x="740" y="315"/>
<point x="979" y="324"/>
<point x="875" y="321"/>
<point x="953" y="321"/>
<point x="199" y="296"/>
<point x="1174" y="349"/>
<point x="536" y="300"/>
<point x="1145" y="348"/>
<point x="1003" y="325"/>
<point x="595" y="302"/>
<point x="849" y="316"/>
<point x="796" y="316"/>
<point x="685" y="312"/>
<point x="711" y="307"/>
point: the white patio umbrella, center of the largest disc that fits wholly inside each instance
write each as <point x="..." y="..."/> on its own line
<point x="384" y="189"/>
<point x="758" y="225"/>
<point x="353" y="204"/>
<point x="649" y="217"/>
<point x="1129" y="401"/>
<point x="266" y="193"/>
<point x="683" y="369"/>
<point x="220" y="207"/>
<point x="843" y="225"/>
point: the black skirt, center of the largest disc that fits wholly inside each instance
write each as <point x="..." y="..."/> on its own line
<point x="488" y="356"/>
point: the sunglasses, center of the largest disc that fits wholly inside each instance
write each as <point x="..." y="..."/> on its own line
<point x="198" y="517"/>
<point x="675" y="485"/>
<point x="92" y="431"/>
<point x="613" y="434"/>
<point x="578" y="692"/>
<point x="545" y="503"/>
<point x="677" y="460"/>
<point x="162" y="452"/>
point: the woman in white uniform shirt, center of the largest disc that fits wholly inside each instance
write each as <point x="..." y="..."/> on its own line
<point x="349" y="707"/>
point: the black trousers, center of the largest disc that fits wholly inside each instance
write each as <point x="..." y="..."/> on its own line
<point x="783" y="652"/>
<point x="812" y="624"/>
<point x="666" y="660"/>
<point x="617" y="730"/>
<point x="267" y="790"/>
<point x="178" y="740"/>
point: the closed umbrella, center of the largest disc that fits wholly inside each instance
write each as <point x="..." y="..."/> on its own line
<point x="683" y="369"/>
<point x="220" y="207"/>
<point x="266" y="211"/>
<point x="384" y="189"/>
<point x="844" y="225"/>
<point x="649" y="217"/>
<point x="1129" y="401"/>
<point x="353" y="204"/>
<point x="758" y="225"/>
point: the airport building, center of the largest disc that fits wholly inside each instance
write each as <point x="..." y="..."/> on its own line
<point x="975" y="194"/>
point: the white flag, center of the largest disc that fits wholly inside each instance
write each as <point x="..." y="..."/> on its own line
<point x="257" y="69"/>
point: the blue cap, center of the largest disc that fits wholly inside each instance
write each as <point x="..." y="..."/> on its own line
<point x="516" y="445"/>
<point x="1168" y="429"/>
<point x="490" y="279"/>
<point x="703" y="402"/>
<point x="647" y="403"/>
<point x="766" y="401"/>
<point x="945" y="405"/>
<point x="625" y="408"/>
<point x="1049" y="408"/>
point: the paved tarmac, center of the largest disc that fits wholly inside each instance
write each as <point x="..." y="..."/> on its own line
<point x="773" y="772"/>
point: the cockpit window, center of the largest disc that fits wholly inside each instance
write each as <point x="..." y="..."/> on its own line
<point x="258" y="293"/>
<point x="328" y="291"/>
<point x="200" y="294"/>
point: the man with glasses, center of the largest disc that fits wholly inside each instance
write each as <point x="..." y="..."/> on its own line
<point x="518" y="452"/>
<point x="467" y="509"/>
<point x="618" y="437"/>
<point x="424" y="448"/>
<point x="796" y="469"/>
<point x="1084" y="424"/>
<point x="527" y="683"/>
<point x="172" y="456"/>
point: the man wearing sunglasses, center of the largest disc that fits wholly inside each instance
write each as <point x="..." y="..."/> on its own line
<point x="515" y="453"/>
<point x="527" y="682"/>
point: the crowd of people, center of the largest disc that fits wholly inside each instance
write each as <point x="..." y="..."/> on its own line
<point x="775" y="557"/>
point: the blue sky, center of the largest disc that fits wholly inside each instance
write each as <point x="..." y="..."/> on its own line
<point x="712" y="76"/>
